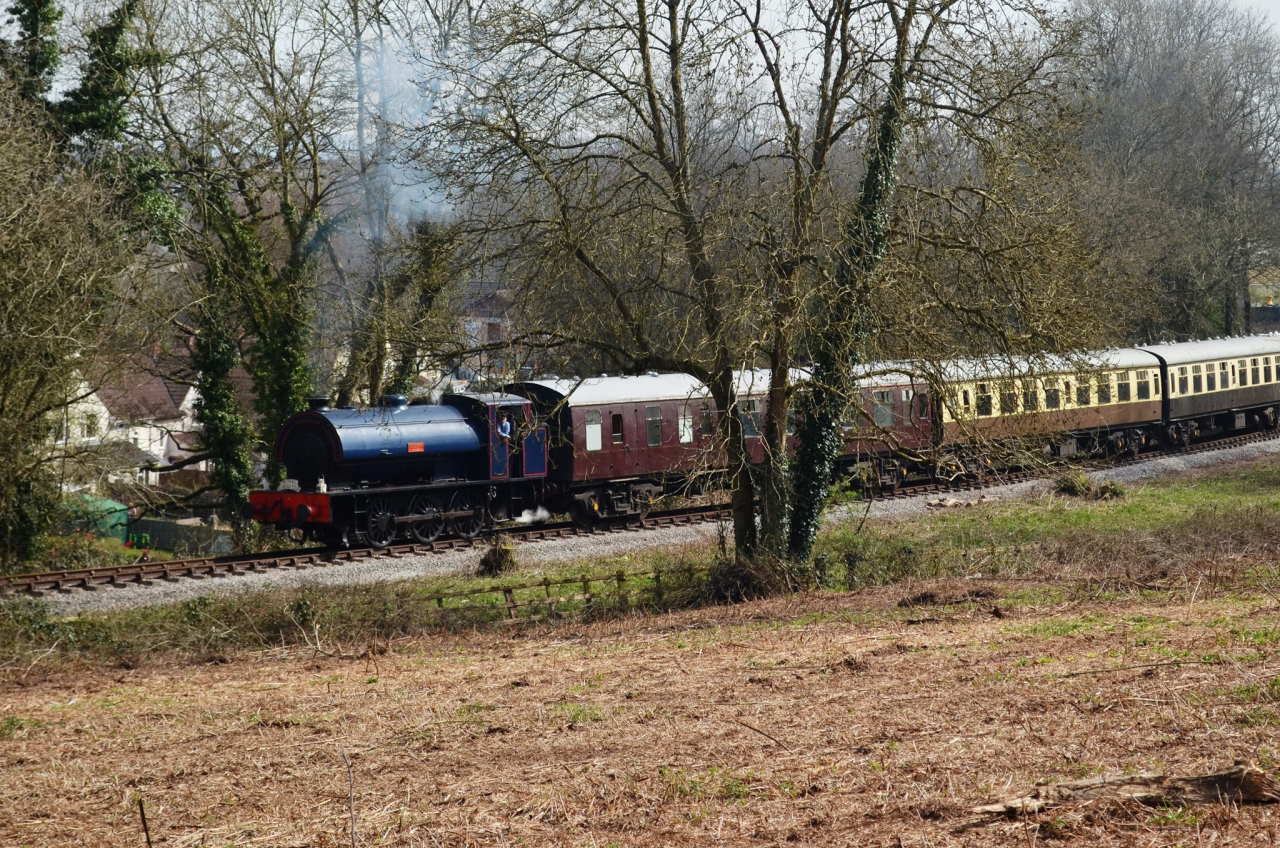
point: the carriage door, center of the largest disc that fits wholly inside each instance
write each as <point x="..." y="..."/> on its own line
<point x="499" y="448"/>
<point x="534" y="448"/>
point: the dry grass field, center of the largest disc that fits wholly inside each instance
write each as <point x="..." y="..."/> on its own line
<point x="823" y="719"/>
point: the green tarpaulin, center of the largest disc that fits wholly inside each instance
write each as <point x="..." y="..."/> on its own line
<point x="99" y="516"/>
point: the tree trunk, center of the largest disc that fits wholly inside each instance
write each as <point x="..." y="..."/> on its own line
<point x="226" y="433"/>
<point x="738" y="462"/>
<point x="838" y="346"/>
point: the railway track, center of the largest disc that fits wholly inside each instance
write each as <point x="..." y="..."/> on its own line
<point x="146" y="573"/>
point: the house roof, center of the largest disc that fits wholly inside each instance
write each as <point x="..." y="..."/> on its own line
<point x="139" y="396"/>
<point x="188" y="441"/>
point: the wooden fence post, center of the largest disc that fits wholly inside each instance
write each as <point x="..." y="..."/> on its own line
<point x="657" y="587"/>
<point x="510" y="597"/>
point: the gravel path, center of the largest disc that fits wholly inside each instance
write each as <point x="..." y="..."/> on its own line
<point x="607" y="545"/>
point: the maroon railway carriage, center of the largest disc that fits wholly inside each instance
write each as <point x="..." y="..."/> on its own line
<point x="619" y="442"/>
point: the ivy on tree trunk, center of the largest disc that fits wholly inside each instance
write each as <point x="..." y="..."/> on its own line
<point x="838" y="347"/>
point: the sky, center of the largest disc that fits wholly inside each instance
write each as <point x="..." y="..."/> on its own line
<point x="1269" y="7"/>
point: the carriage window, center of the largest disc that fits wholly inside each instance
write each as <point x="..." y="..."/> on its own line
<point x="1210" y="378"/>
<point x="1144" y="385"/>
<point x="1008" y="399"/>
<point x="882" y="410"/>
<point x="595" y="435"/>
<point x="706" y="420"/>
<point x="1052" y="395"/>
<point x="922" y="406"/>
<point x="1122" y="386"/>
<point x="1030" y="396"/>
<point x="1266" y="369"/>
<point x="750" y="417"/>
<point x="1155" y="385"/>
<point x="1253" y="371"/>
<point x="965" y="400"/>
<point x="1224" y="376"/>
<point x="1197" y="384"/>
<point x="1104" y="389"/>
<point x="984" y="399"/>
<point x="1082" y="391"/>
<point x="685" y="426"/>
<point x="1242" y="373"/>
<point x="653" y="425"/>
<point x="1182" y="380"/>
<point x="617" y="428"/>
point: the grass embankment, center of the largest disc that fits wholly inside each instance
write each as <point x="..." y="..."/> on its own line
<point x="1201" y="532"/>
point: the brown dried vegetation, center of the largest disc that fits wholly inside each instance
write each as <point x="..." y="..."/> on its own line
<point x="825" y="719"/>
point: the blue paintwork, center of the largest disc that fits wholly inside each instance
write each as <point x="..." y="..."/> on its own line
<point x="382" y="432"/>
<point x="535" y="453"/>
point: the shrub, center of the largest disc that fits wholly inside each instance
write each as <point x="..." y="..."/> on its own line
<point x="498" y="559"/>
<point x="1074" y="483"/>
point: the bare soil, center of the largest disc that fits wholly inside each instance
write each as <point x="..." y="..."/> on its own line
<point x="826" y="719"/>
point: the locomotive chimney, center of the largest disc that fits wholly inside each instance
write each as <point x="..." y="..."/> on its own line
<point x="394" y="401"/>
<point x="316" y="404"/>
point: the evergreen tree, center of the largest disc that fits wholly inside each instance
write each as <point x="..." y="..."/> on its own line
<point x="31" y="59"/>
<point x="94" y="111"/>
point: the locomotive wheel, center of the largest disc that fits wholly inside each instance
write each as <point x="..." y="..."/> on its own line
<point x="469" y="526"/>
<point x="429" y="529"/>
<point x="380" y="527"/>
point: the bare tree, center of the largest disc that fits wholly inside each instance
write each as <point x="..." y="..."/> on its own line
<point x="1179" y="177"/>
<point x="670" y="182"/>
